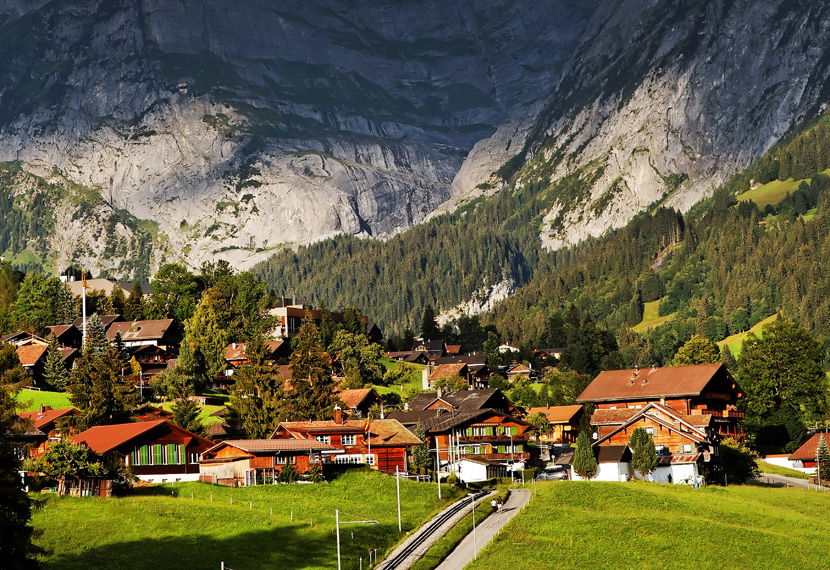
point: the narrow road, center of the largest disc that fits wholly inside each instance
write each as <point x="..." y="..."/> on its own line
<point x="789" y="482"/>
<point x="463" y="553"/>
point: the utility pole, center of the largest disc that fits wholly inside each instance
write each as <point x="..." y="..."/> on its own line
<point x="398" y="485"/>
<point x="475" y="550"/>
<point x="438" y="469"/>
<point x="337" y="523"/>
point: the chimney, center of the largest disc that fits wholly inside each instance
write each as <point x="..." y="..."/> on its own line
<point x="233" y="345"/>
<point x="42" y="408"/>
<point x="338" y="415"/>
<point x="406" y="407"/>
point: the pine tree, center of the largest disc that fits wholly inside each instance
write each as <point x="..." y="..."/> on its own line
<point x="643" y="453"/>
<point x="186" y="415"/>
<point x="728" y="360"/>
<point x="352" y="322"/>
<point x="823" y="458"/>
<point x="585" y="464"/>
<point x="100" y="387"/>
<point x="134" y="306"/>
<point x="311" y="379"/>
<point x="420" y="453"/>
<point x="429" y="327"/>
<point x="16" y="533"/>
<point x="117" y="300"/>
<point x="96" y="336"/>
<point x="67" y="304"/>
<point x="257" y="403"/>
<point x="55" y="373"/>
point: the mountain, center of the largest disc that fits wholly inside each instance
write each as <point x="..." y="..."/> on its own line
<point x="240" y="127"/>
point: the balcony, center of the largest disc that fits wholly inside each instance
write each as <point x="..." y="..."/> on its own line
<point x="721" y="413"/>
<point x="497" y="439"/>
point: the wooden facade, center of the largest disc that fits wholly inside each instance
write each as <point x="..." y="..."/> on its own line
<point x="238" y="463"/>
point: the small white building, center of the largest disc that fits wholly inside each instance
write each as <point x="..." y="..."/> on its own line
<point x="474" y="470"/>
<point x="613" y="464"/>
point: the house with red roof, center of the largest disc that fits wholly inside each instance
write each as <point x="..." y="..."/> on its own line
<point x="241" y="462"/>
<point x="155" y="451"/>
<point x="359" y="401"/>
<point x="45" y="428"/>
<point x="805" y="457"/>
<point x="33" y="359"/>
<point x="157" y="332"/>
<point x="564" y="422"/>
<point x="381" y="444"/>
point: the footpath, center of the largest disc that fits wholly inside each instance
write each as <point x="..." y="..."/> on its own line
<point x="463" y="553"/>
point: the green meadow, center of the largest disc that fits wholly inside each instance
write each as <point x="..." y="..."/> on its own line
<point x="577" y="525"/>
<point x="273" y="526"/>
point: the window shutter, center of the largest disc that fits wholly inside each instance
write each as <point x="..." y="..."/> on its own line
<point x="182" y="454"/>
<point x="171" y="454"/>
<point x="158" y="454"/>
<point x="145" y="455"/>
<point x="514" y="430"/>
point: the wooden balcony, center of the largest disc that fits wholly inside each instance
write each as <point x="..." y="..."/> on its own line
<point x="721" y="413"/>
<point x="495" y="439"/>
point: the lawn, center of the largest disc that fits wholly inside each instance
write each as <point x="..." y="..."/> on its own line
<point x="162" y="527"/>
<point x="33" y="399"/>
<point x="765" y="467"/>
<point x="414" y="382"/>
<point x="735" y="341"/>
<point x="651" y="317"/>
<point x="576" y="525"/>
<point x="772" y="192"/>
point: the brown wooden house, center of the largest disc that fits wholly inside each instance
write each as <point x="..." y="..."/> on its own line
<point x="700" y="390"/>
<point x="564" y="422"/>
<point x="45" y="428"/>
<point x="381" y="444"/>
<point x="156" y="451"/>
<point x="238" y="463"/>
<point x="359" y="401"/>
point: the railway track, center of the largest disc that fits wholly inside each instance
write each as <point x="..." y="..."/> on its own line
<point x="427" y="531"/>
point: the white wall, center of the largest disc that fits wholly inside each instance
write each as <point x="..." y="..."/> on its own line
<point x="470" y="472"/>
<point x="170" y="477"/>
<point x="684" y="473"/>
<point x="608" y="472"/>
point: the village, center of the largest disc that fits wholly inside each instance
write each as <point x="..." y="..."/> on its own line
<point x="472" y="432"/>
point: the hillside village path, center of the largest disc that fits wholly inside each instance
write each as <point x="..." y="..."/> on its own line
<point x="463" y="553"/>
<point x="788" y="482"/>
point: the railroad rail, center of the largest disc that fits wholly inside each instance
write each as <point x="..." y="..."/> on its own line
<point x="428" y="530"/>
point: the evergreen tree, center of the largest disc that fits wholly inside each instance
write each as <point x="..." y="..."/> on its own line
<point x="728" y="360"/>
<point x="698" y="350"/>
<point x="38" y="302"/>
<point x="12" y="375"/>
<point x="643" y="453"/>
<point x="651" y="287"/>
<point x="134" y="305"/>
<point x="100" y="387"/>
<point x="351" y="321"/>
<point x="256" y="406"/>
<point x="408" y="339"/>
<point x="118" y="301"/>
<point x="54" y="372"/>
<point x="491" y="350"/>
<point x="823" y="460"/>
<point x="328" y="327"/>
<point x="311" y="379"/>
<point x="359" y="358"/>
<point x="96" y="336"/>
<point x="16" y="533"/>
<point x="420" y="453"/>
<point x="67" y="304"/>
<point x="429" y="326"/>
<point x="207" y="333"/>
<point x="186" y="415"/>
<point x="585" y="464"/>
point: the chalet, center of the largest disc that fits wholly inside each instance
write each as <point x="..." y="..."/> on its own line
<point x="359" y="401"/>
<point x="239" y="462"/>
<point x="45" y="428"/>
<point x="517" y="371"/>
<point x="381" y="444"/>
<point x="276" y="350"/>
<point x="805" y="457"/>
<point x="33" y="359"/>
<point x="684" y="443"/>
<point x="564" y="422"/>
<point x="453" y="350"/>
<point x="67" y="335"/>
<point x="152" y="359"/>
<point x="150" y="413"/>
<point x="106" y="320"/>
<point x="700" y="390"/>
<point x="155" y="451"/>
<point x="476" y="364"/>
<point x="434" y="349"/>
<point x="549" y="355"/>
<point x="464" y="401"/>
<point x="160" y="332"/>
<point x="415" y="357"/>
<point x="22" y="338"/>
<point x="472" y="469"/>
<point x="447" y="372"/>
<point x="373" y="333"/>
<point x="290" y="318"/>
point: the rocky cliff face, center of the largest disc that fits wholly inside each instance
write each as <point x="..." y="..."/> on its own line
<point x="243" y="127"/>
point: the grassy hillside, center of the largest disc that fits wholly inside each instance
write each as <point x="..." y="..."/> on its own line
<point x="736" y="341"/>
<point x="651" y="317"/>
<point x="33" y="399"/>
<point x="165" y="528"/>
<point x="572" y="525"/>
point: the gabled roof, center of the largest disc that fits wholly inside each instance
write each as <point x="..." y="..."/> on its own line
<point x="59" y="330"/>
<point x="102" y="439"/>
<point x="651" y="383"/>
<point x="382" y="432"/>
<point x="612" y="417"/>
<point x="430" y="345"/>
<point x="558" y="414"/>
<point x="665" y="416"/>
<point x="353" y="398"/>
<point x="106" y="320"/>
<point x="31" y="354"/>
<point x="808" y="450"/>
<point x="448" y="370"/>
<point x="464" y="400"/>
<point x="613" y="454"/>
<point x="140" y="330"/>
<point x="265" y="446"/>
<point x="44" y="418"/>
<point x="453" y="349"/>
<point x="236" y="350"/>
<point x="449" y="421"/>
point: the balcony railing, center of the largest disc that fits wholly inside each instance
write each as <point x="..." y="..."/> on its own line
<point x="722" y="413"/>
<point x="493" y="439"/>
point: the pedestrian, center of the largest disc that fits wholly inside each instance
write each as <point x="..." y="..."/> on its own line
<point x="500" y="504"/>
<point x="494" y="504"/>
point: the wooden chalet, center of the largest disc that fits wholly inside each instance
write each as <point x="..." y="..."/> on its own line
<point x="238" y="462"/>
<point x="549" y="355"/>
<point x="373" y="333"/>
<point x="22" y="338"/>
<point x="158" y="332"/>
<point x="155" y="451"/>
<point x="67" y="335"/>
<point x="477" y="367"/>
<point x="33" y="359"/>
<point x="564" y="422"/>
<point x="106" y="320"/>
<point x="453" y="350"/>
<point x="359" y="401"/>
<point x="276" y="350"/>
<point x="45" y="428"/>
<point x="434" y="349"/>
<point x="700" y="390"/>
<point x="414" y="357"/>
<point x="151" y="413"/>
<point x="805" y="457"/>
<point x="464" y="401"/>
<point x="381" y="444"/>
<point x="517" y="371"/>
<point x="152" y="359"/>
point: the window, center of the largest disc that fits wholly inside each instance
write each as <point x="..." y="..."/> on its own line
<point x="650" y="430"/>
<point x="347" y="440"/>
<point x="285" y="459"/>
<point x="194" y="458"/>
<point x="323" y="438"/>
<point x="687" y="448"/>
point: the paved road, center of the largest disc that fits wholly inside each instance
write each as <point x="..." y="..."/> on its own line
<point x="788" y="482"/>
<point x="463" y="553"/>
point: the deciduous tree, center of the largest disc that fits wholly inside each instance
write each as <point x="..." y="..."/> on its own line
<point x="698" y="350"/>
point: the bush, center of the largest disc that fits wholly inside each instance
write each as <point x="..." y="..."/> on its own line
<point x="288" y="474"/>
<point x="452" y="479"/>
<point x="738" y="461"/>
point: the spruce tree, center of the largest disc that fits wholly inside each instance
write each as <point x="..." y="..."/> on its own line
<point x="311" y="379"/>
<point x="186" y="415"/>
<point x="55" y="373"/>
<point x="420" y="453"/>
<point x="429" y="327"/>
<point x="585" y="464"/>
<point x="257" y="403"/>
<point x="67" y="305"/>
<point x="100" y="387"/>
<point x="117" y="300"/>
<point x="134" y="306"/>
<point x="644" y="455"/>
<point x="823" y="458"/>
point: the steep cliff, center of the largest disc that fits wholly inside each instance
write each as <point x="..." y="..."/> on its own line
<point x="241" y="127"/>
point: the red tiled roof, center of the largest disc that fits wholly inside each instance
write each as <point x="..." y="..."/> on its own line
<point x="383" y="432"/>
<point x="557" y="414"/>
<point x="353" y="398"/>
<point x="47" y="416"/>
<point x="101" y="439"/>
<point x="140" y="330"/>
<point x="265" y="445"/>
<point x="30" y="354"/>
<point x="453" y="348"/>
<point x="649" y="383"/>
<point x="447" y="370"/>
<point x="808" y="450"/>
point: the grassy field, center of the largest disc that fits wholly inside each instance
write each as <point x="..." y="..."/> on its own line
<point x="735" y="341"/>
<point x="651" y="317"/>
<point x="413" y="383"/>
<point x="164" y="528"/>
<point x="33" y="399"/>
<point x="574" y="525"/>
<point x="765" y="467"/>
<point x="771" y="193"/>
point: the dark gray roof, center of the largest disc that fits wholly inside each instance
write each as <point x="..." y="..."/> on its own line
<point x="463" y="400"/>
<point x="612" y="453"/>
<point x="411" y="417"/>
<point x="472" y="359"/>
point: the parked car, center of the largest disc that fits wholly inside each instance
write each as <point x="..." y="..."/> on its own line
<point x="555" y="473"/>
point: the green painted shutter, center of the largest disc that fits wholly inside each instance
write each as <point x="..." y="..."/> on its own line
<point x="502" y="449"/>
<point x="514" y="430"/>
<point x="145" y="455"/>
<point x="158" y="454"/>
<point x="171" y="454"/>
<point x="183" y="455"/>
